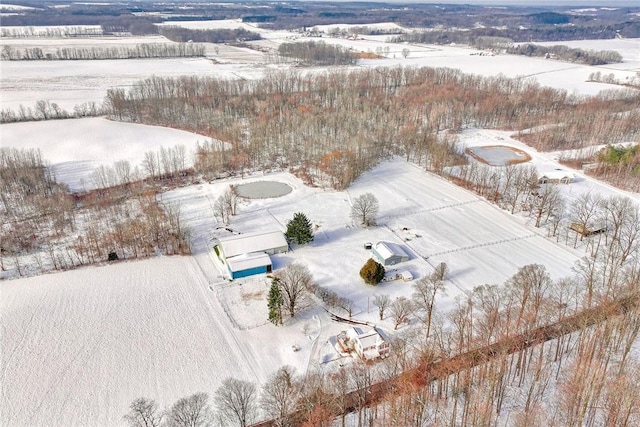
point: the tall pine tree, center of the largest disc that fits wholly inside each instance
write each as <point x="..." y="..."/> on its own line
<point x="275" y="303"/>
<point x="299" y="229"/>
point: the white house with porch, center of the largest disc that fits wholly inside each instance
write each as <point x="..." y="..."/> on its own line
<point x="369" y="345"/>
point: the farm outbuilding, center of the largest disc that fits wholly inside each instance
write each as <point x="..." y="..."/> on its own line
<point x="249" y="265"/>
<point x="248" y="254"/>
<point x="387" y="253"/>
<point x="271" y="242"/>
<point x="556" y="177"/>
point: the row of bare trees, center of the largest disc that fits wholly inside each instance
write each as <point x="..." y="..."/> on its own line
<point x="47" y="110"/>
<point x="140" y="51"/>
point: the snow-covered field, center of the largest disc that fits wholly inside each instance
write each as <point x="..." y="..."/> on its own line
<point x="76" y="147"/>
<point x="79" y="346"/>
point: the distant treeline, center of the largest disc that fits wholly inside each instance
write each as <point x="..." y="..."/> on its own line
<point x="159" y="50"/>
<point x="522" y="35"/>
<point x="230" y="35"/>
<point x="49" y="32"/>
<point x="47" y="110"/>
<point x="589" y="57"/>
<point x="317" y="53"/>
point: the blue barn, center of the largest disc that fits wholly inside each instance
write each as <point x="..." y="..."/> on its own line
<point x="248" y="254"/>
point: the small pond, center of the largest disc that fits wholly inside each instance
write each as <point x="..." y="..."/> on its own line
<point x="499" y="155"/>
<point x="263" y="189"/>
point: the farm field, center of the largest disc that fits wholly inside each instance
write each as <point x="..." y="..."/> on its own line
<point x="76" y="147"/>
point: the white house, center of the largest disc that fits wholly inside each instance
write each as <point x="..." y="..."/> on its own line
<point x="369" y="345"/>
<point x="388" y="253"/>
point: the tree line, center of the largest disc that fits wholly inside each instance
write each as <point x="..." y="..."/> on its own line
<point x="47" y="110"/>
<point x="223" y="35"/>
<point x="565" y="53"/>
<point x="140" y="51"/>
<point x="316" y="53"/>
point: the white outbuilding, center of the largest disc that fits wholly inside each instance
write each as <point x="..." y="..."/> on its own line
<point x="387" y="253"/>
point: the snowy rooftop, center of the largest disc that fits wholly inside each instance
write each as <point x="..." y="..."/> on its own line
<point x="251" y="242"/>
<point x="388" y="249"/>
<point x="247" y="261"/>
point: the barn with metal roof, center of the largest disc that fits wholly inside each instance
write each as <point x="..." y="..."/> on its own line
<point x="248" y="254"/>
<point x="387" y="253"/>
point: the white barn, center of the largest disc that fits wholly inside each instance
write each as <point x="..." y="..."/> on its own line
<point x="387" y="253"/>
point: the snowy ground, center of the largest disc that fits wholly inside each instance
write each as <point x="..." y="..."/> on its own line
<point x="76" y="147"/>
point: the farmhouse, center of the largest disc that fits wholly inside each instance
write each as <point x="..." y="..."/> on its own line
<point x="388" y="253"/>
<point x="369" y="345"/>
<point x="556" y="177"/>
<point x="248" y="254"/>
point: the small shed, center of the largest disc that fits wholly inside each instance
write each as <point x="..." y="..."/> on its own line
<point x="388" y="253"/>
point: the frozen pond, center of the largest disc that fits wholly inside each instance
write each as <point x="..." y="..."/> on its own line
<point x="263" y="189"/>
<point x="499" y="155"/>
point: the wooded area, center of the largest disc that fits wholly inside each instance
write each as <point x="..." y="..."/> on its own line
<point x="124" y="219"/>
<point x="334" y="126"/>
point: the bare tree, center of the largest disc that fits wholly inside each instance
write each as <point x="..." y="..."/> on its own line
<point x="400" y="309"/>
<point x="230" y="197"/>
<point x="424" y="295"/>
<point x="294" y="281"/>
<point x="236" y="402"/>
<point x="365" y="209"/>
<point x="545" y="202"/>
<point x="280" y="395"/>
<point x="226" y="205"/>
<point x="383" y="302"/>
<point x="220" y="211"/>
<point x="440" y="272"/>
<point x="144" y="413"/>
<point x="192" y="411"/>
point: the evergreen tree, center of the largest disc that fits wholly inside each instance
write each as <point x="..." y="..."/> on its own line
<point x="275" y="303"/>
<point x="299" y="229"/>
<point x="372" y="272"/>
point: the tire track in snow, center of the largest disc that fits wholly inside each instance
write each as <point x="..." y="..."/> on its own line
<point x="436" y="208"/>
<point x="482" y="245"/>
<point x="210" y="298"/>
